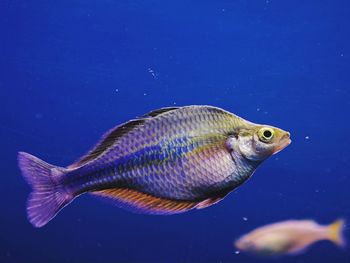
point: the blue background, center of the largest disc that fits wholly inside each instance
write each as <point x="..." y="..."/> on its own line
<point x="70" y="70"/>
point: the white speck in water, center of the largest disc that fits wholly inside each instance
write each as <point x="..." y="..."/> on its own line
<point x="174" y="103"/>
<point x="257" y="109"/>
<point x="342" y="55"/>
<point x="116" y="90"/>
<point x="317" y="191"/>
<point x="145" y="94"/>
<point x="307" y="137"/>
<point x="223" y="10"/>
<point x="153" y="73"/>
<point x="237" y="252"/>
<point x="245" y="218"/>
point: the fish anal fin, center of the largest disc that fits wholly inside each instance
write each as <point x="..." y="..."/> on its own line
<point x="144" y="203"/>
<point x="157" y="112"/>
<point x="107" y="140"/>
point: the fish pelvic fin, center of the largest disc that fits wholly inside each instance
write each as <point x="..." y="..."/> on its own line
<point x="48" y="196"/>
<point x="336" y="232"/>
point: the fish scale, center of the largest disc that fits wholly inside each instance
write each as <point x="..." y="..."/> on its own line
<point x="195" y="123"/>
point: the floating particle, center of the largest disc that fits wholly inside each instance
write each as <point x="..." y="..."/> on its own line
<point x="116" y="90"/>
<point x="245" y="218"/>
<point x="307" y="137"/>
<point x="153" y="73"/>
<point x="237" y="252"/>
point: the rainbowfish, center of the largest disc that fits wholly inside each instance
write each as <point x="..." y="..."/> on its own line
<point x="290" y="237"/>
<point x="169" y="161"/>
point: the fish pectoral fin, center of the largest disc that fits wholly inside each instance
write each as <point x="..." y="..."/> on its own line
<point x="139" y="202"/>
<point x="107" y="140"/>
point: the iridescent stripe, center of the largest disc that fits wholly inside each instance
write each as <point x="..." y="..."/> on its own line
<point x="159" y="156"/>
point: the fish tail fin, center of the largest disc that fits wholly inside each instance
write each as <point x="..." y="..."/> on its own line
<point x="48" y="196"/>
<point x="336" y="232"/>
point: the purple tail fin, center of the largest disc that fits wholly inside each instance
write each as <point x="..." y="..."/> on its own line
<point x="48" y="196"/>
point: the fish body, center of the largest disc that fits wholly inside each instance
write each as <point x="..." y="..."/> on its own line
<point x="168" y="161"/>
<point x="290" y="237"/>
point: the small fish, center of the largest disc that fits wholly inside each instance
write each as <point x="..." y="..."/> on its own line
<point x="169" y="161"/>
<point x="290" y="237"/>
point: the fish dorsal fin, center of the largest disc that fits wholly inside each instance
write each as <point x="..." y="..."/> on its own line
<point x="139" y="202"/>
<point x="107" y="140"/>
<point x="157" y="112"/>
<point x="110" y="137"/>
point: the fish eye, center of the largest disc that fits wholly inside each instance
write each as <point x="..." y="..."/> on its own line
<point x="266" y="134"/>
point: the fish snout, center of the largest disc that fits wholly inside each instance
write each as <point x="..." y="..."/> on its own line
<point x="286" y="137"/>
<point x="244" y="244"/>
<point x="283" y="142"/>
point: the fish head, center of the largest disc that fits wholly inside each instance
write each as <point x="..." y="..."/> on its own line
<point x="269" y="244"/>
<point x="258" y="142"/>
<point x="245" y="243"/>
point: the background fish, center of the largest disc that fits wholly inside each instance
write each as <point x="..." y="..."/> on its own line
<point x="290" y="237"/>
<point x="169" y="161"/>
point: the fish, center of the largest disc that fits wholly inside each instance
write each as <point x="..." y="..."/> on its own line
<point x="291" y="237"/>
<point x="168" y="161"/>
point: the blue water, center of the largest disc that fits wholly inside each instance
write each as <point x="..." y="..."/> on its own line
<point x="71" y="70"/>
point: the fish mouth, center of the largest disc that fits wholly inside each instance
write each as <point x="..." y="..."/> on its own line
<point x="283" y="143"/>
<point x="238" y="244"/>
